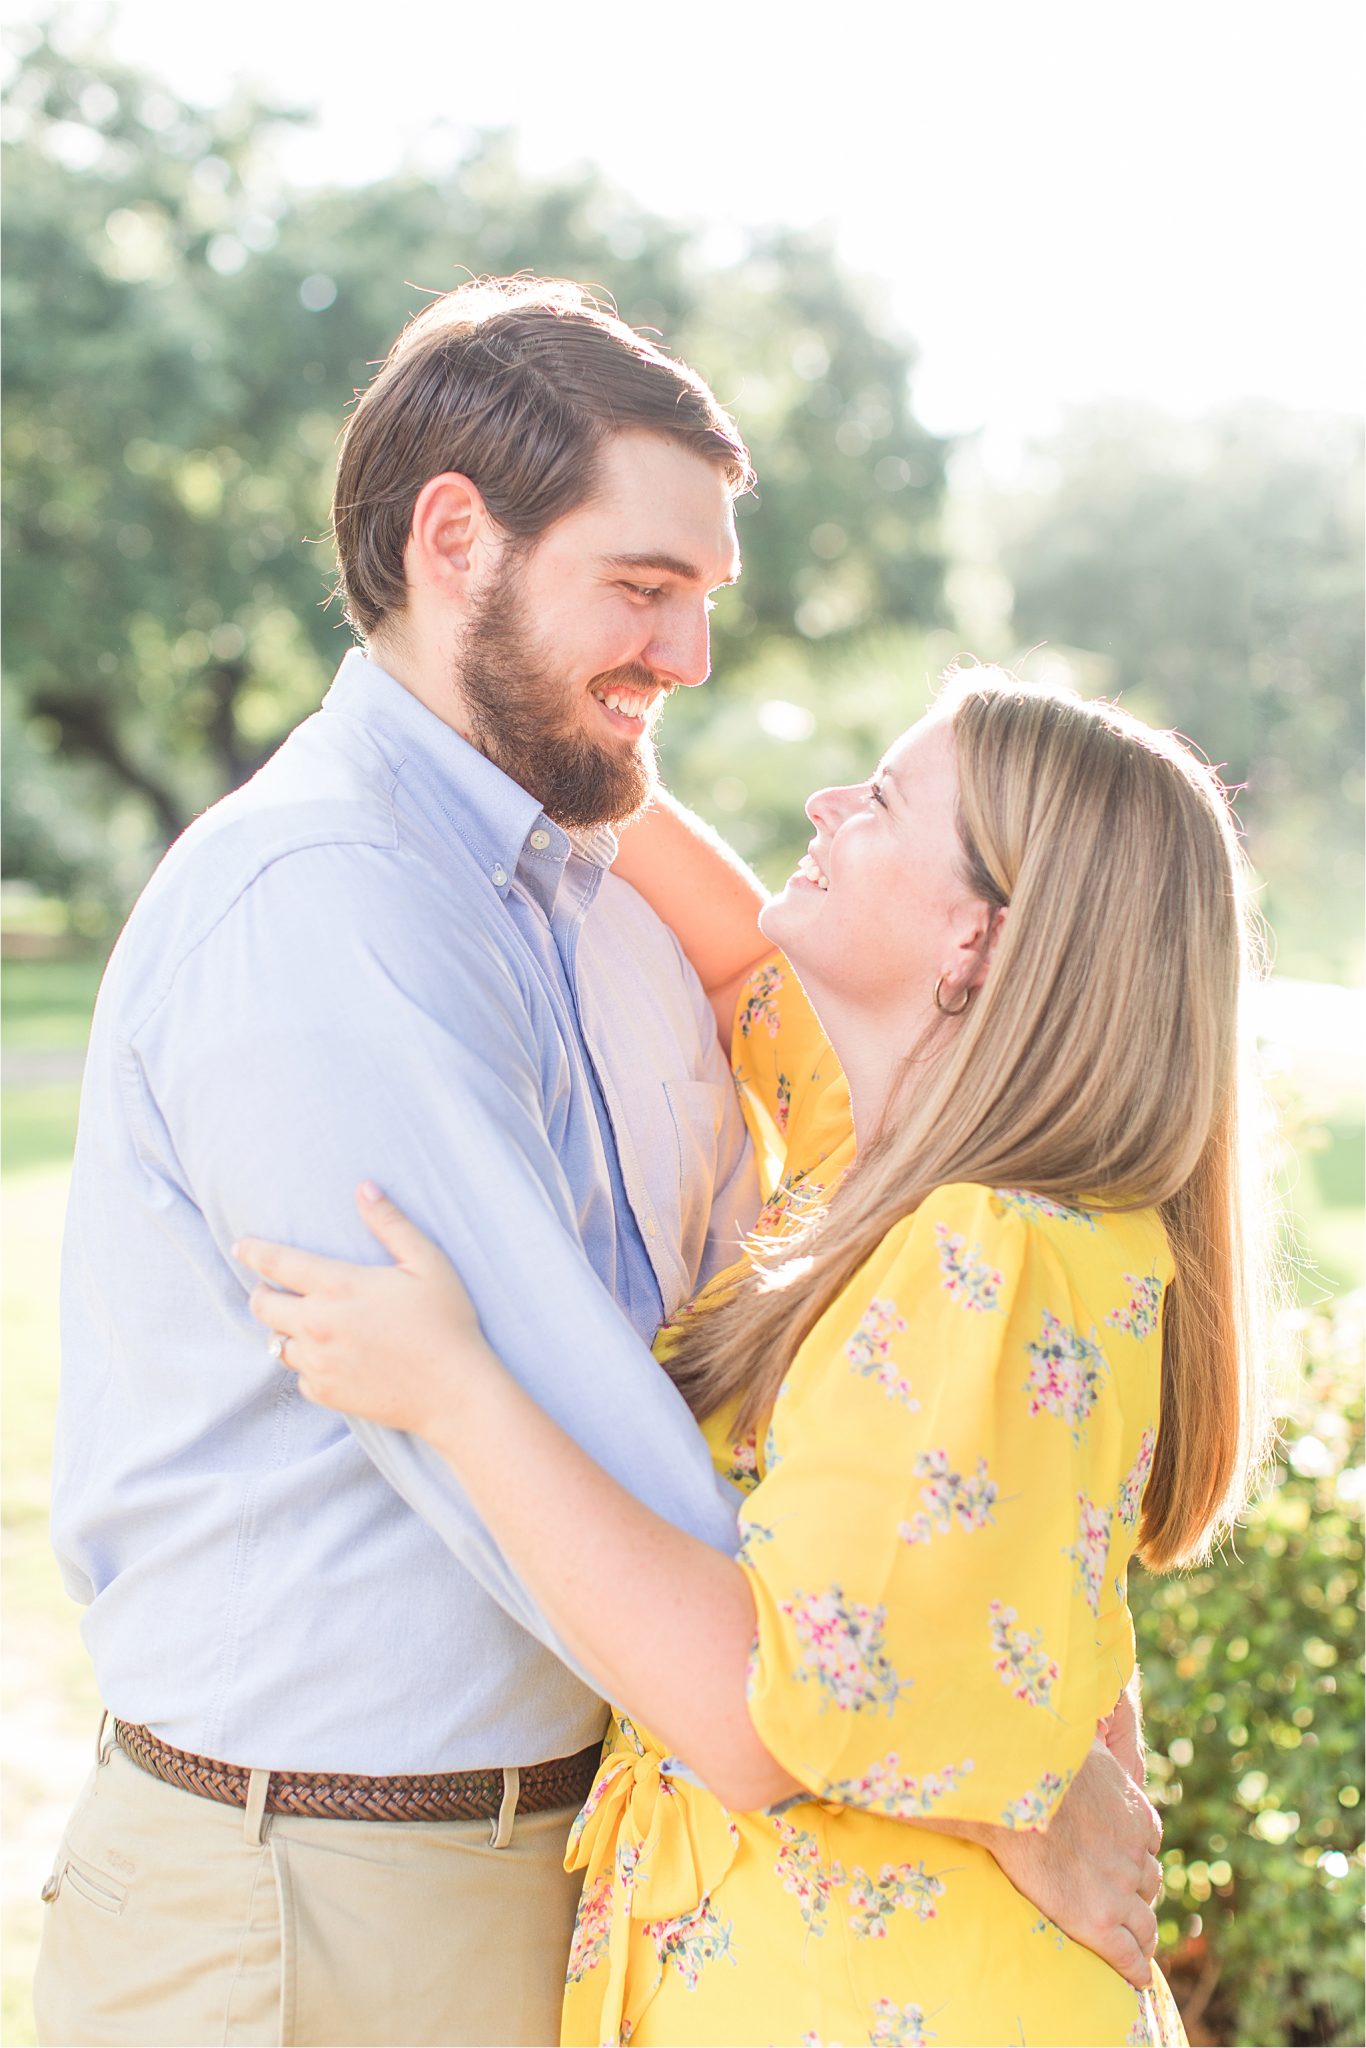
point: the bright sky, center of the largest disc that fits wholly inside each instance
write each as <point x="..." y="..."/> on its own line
<point x="1062" y="200"/>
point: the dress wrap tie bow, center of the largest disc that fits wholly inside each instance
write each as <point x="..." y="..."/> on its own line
<point x="653" y="1846"/>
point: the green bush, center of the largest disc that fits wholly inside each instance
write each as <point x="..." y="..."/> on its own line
<point x="1252" y="1676"/>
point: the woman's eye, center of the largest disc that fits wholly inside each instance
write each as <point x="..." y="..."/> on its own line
<point x="875" y="793"/>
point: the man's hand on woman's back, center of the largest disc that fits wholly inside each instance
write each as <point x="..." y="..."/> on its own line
<point x="1094" y="1869"/>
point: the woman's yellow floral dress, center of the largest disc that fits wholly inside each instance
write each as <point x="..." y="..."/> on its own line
<point x="936" y="1529"/>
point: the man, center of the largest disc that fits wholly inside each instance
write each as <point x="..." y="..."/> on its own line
<point x="332" y="1804"/>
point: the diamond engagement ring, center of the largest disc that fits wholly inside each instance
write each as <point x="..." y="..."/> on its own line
<point x="276" y="1347"/>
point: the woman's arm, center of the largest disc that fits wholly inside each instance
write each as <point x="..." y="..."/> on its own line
<point x="703" y="891"/>
<point x="663" y="1623"/>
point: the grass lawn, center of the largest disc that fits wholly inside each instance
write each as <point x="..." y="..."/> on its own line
<point x="45" y="1005"/>
<point x="48" y="1697"/>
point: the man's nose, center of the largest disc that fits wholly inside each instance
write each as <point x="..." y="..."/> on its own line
<point x="681" y="649"/>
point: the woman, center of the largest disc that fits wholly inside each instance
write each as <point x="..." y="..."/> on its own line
<point x="995" y="1339"/>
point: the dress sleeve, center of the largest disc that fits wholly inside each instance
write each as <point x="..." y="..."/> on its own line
<point x="792" y="1088"/>
<point x="928" y="1546"/>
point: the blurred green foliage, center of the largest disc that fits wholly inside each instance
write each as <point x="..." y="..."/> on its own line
<point x="1252" y="1679"/>
<point x="181" y="336"/>
<point x="182" y="333"/>
<point x="1212" y="571"/>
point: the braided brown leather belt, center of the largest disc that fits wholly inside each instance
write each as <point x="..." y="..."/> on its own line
<point x="329" y="1795"/>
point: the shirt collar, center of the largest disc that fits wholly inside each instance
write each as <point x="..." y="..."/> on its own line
<point x="501" y="823"/>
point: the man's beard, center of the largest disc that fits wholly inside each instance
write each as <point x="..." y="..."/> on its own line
<point x="523" y="718"/>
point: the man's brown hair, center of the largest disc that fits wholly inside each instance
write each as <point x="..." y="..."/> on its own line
<point x="514" y="383"/>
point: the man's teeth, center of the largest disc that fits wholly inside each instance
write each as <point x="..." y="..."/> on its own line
<point x="629" y="707"/>
<point x="807" y="869"/>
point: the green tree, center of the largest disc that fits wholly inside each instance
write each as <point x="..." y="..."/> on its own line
<point x="1212" y="570"/>
<point x="182" y="336"/>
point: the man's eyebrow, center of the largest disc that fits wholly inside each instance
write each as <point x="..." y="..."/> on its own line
<point x="665" y="565"/>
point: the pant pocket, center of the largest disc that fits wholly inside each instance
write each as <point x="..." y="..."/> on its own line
<point x="94" y="1886"/>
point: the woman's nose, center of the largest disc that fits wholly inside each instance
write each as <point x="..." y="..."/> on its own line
<point x="827" y="808"/>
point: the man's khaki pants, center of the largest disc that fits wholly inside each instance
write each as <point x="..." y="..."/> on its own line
<point x="173" y="1922"/>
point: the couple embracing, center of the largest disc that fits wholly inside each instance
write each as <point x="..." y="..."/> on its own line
<point x="948" y="1299"/>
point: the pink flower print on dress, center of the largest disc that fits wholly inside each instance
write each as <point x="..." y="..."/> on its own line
<point x="967" y="1277"/>
<point x="949" y="1497"/>
<point x="885" y="1788"/>
<point x="1020" y="1662"/>
<point x="1039" y="1208"/>
<point x="1065" y="1376"/>
<point x="1032" y="1808"/>
<point x="760" y="1004"/>
<point x="742" y="1467"/>
<point x="1143" y="1310"/>
<point x="843" y="1650"/>
<point x="1045" y="1926"/>
<point x="772" y="1456"/>
<point x="1091" y="1549"/>
<point x="899" y="2026"/>
<point x="592" y="1929"/>
<point x="691" y="1942"/>
<point x="869" y="1351"/>
<point x="753" y="1535"/>
<point x="789" y="1205"/>
<point x="782" y="1102"/>
<point x="630" y="1733"/>
<point x="801" y="1872"/>
<point x="605" y="1779"/>
<point x="872" y="1901"/>
<point x="1135" y="1479"/>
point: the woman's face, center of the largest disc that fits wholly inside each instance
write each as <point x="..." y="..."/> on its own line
<point x="878" y="910"/>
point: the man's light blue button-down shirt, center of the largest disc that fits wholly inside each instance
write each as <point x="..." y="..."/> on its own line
<point x="378" y="958"/>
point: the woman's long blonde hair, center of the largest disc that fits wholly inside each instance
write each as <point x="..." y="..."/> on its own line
<point x="1099" y="1063"/>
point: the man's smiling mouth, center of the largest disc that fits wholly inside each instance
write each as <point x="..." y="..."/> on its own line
<point x="628" y="709"/>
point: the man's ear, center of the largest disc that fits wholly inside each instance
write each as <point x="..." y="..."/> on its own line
<point x="450" y="534"/>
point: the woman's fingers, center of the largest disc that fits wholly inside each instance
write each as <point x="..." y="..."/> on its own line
<point x="286" y="1266"/>
<point x="284" y="1313"/>
<point x="399" y="1235"/>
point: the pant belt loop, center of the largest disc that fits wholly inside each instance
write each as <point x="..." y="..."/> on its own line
<point x="502" y="1827"/>
<point x="255" y="1824"/>
<point x="103" y="1748"/>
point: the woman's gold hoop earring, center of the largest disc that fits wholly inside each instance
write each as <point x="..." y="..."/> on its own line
<point x="942" y="1008"/>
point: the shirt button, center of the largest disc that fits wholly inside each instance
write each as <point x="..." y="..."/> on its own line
<point x="540" y="840"/>
<point x="651" y="1228"/>
<point x="499" y="876"/>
